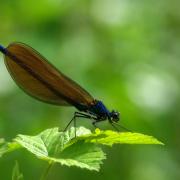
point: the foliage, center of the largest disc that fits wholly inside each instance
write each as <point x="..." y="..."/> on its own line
<point x="82" y="151"/>
<point x="16" y="175"/>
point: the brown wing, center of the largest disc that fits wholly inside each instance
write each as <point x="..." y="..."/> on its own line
<point x="38" y="78"/>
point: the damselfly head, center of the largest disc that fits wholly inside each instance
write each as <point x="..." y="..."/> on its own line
<point x="115" y="116"/>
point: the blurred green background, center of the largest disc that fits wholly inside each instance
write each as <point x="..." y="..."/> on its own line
<point x="125" y="53"/>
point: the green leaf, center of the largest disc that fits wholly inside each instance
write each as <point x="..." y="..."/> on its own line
<point x="83" y="151"/>
<point x="83" y="155"/>
<point x="50" y="145"/>
<point x="6" y="147"/>
<point x="109" y="137"/>
<point x="16" y="175"/>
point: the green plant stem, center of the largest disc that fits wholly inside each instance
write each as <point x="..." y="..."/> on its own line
<point x="47" y="170"/>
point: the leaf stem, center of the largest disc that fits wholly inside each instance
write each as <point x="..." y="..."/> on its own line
<point x="47" y="170"/>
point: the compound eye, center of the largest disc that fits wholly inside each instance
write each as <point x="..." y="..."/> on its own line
<point x="115" y="116"/>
